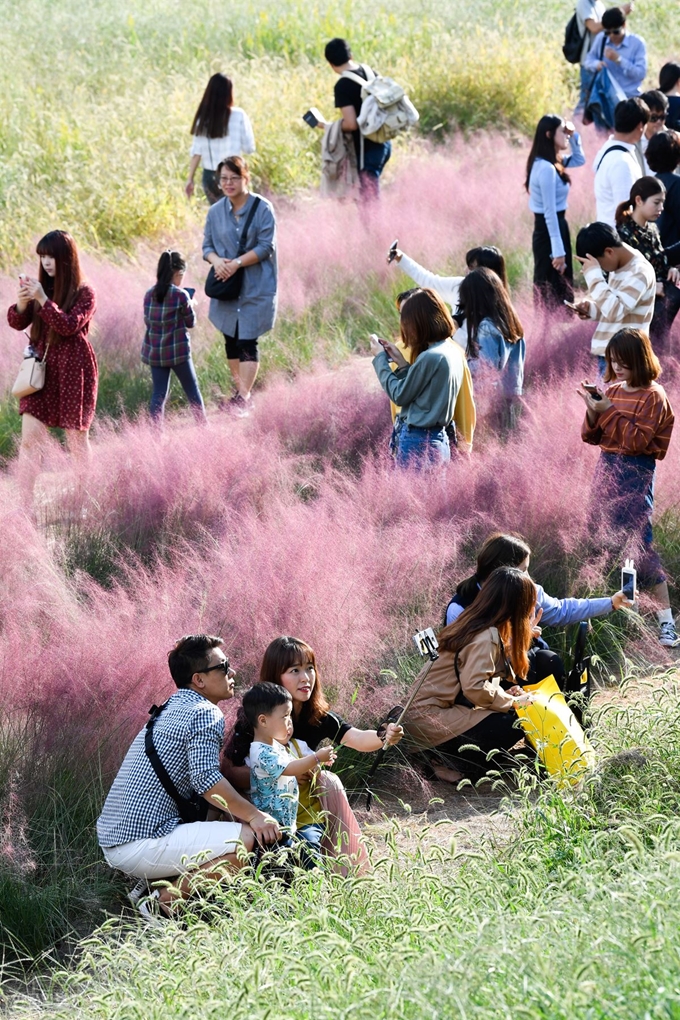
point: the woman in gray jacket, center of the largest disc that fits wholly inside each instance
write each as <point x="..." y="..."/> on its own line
<point x="228" y="247"/>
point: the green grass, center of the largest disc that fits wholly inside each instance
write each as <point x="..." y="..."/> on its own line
<point x="96" y="103"/>
<point x="575" y="916"/>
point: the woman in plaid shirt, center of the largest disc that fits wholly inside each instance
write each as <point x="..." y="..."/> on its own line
<point x="169" y="315"/>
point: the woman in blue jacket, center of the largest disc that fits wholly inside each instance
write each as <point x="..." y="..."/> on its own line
<point x="507" y="550"/>
<point x="495" y="333"/>
<point x="548" y="185"/>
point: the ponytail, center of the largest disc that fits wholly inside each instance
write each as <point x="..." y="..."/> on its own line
<point x="624" y="211"/>
<point x="169" y="263"/>
<point x="644" y="188"/>
<point x="468" y="590"/>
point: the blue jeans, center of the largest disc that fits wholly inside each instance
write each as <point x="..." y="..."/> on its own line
<point x="375" y="158"/>
<point x="160" y="377"/>
<point x="421" y="449"/>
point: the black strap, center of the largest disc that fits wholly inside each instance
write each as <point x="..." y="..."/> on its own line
<point x="614" y="148"/>
<point x="186" y="808"/>
<point x="244" y="235"/>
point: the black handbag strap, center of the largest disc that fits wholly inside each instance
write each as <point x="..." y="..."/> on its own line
<point x="614" y="148"/>
<point x="244" y="235"/>
<point x="186" y="809"/>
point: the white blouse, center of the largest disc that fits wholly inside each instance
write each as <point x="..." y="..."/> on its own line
<point x="238" y="141"/>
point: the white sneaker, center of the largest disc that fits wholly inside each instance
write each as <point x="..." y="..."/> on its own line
<point x="668" y="635"/>
<point x="135" y="895"/>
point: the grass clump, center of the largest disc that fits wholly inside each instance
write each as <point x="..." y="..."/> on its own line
<point x="575" y="916"/>
<point x="95" y="106"/>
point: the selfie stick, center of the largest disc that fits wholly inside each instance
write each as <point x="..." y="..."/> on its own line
<point x="426" y="643"/>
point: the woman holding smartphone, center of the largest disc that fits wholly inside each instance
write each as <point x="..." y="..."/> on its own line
<point x="547" y="183"/>
<point x="58" y="307"/>
<point x="632" y="422"/>
<point x="427" y="389"/>
<point x="472" y="690"/>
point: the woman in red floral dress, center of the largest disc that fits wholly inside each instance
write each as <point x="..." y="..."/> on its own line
<point x="58" y="307"/>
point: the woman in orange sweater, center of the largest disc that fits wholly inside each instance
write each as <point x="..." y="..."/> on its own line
<point x="632" y="424"/>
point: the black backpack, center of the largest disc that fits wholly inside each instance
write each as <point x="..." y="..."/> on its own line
<point x="573" y="41"/>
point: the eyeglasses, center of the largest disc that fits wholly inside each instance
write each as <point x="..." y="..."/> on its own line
<point x="613" y="31"/>
<point x="229" y="180"/>
<point x="224" y="666"/>
<point x="656" y="117"/>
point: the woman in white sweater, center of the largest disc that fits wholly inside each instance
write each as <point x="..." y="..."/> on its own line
<point x="220" y="130"/>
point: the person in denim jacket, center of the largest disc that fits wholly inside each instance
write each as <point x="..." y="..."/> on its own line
<point x="495" y="333"/>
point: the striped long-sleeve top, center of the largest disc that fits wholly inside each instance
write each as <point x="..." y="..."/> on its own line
<point x="625" y="299"/>
<point x="640" y="423"/>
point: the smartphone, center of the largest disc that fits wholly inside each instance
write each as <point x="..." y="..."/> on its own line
<point x="593" y="390"/>
<point x="190" y="291"/>
<point x="629" y="580"/>
<point x="23" y="278"/>
<point x="570" y="304"/>
<point x="313" y="117"/>
<point x="392" y="253"/>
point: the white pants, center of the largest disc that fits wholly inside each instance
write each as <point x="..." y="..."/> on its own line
<point x="187" y="846"/>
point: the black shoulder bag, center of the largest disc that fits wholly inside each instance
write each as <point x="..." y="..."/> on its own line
<point x="229" y="290"/>
<point x="194" y="809"/>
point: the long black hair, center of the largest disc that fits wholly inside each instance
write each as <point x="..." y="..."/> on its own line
<point x="169" y="263"/>
<point x="543" y="146"/>
<point x="212" y="116"/>
<point x="483" y="296"/>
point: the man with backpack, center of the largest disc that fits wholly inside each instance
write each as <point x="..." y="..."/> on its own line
<point x="152" y="825"/>
<point x="372" y="153"/>
<point x="580" y="33"/>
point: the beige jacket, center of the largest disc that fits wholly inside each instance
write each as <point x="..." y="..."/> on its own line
<point x="435" y="717"/>
<point x="339" y="172"/>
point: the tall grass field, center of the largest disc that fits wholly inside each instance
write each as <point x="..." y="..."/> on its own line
<point x="292" y="520"/>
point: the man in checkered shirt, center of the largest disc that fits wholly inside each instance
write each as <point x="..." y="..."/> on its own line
<point x="140" y="830"/>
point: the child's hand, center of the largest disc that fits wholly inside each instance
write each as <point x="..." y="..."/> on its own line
<point x="327" y="754"/>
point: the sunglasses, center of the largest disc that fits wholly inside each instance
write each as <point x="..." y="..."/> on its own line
<point x="613" y="31"/>
<point x="223" y="666"/>
<point x="656" y="117"/>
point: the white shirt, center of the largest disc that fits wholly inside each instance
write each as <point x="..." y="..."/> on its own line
<point x="448" y="288"/>
<point x="587" y="10"/>
<point x="238" y="141"/>
<point x="615" y="175"/>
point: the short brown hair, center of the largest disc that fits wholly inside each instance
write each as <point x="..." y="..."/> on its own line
<point x="633" y="349"/>
<point x="236" y="164"/>
<point x="425" y="320"/>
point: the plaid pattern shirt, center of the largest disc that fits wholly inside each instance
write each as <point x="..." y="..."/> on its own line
<point x="167" y="342"/>
<point x="625" y="299"/>
<point x="188" y="737"/>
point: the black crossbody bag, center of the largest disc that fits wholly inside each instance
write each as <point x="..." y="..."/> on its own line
<point x="229" y="290"/>
<point x="190" y="809"/>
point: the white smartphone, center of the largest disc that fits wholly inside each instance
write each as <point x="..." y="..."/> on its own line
<point x="629" y="580"/>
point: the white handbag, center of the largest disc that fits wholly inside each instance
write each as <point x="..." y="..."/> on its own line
<point x="31" y="377"/>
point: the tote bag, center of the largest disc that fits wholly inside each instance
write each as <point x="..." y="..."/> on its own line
<point x="552" y="729"/>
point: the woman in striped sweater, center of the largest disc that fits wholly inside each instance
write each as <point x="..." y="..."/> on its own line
<point x="632" y="424"/>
